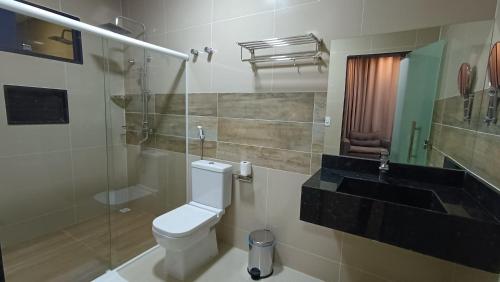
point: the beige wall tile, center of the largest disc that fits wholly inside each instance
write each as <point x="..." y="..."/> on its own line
<point x="321" y="17"/>
<point x="248" y="202"/>
<point x="233" y="236"/>
<point x="282" y="135"/>
<point x="284" y="213"/>
<point x="315" y="163"/>
<point x="392" y="263"/>
<point x="274" y="158"/>
<point x="209" y="148"/>
<point x="351" y="274"/>
<point x="209" y="125"/>
<point x="318" y="137"/>
<point x="319" y="107"/>
<point x="183" y="14"/>
<point x="463" y="274"/>
<point x="485" y="159"/>
<point x="203" y="104"/>
<point x="457" y="143"/>
<point x="268" y="106"/>
<point x="308" y="263"/>
<point x="225" y="9"/>
<point x="200" y="70"/>
<point x="229" y="73"/>
<point x="385" y="16"/>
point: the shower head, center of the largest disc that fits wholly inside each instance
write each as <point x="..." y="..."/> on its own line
<point x="61" y="38"/>
<point x="118" y="25"/>
<point x="115" y="28"/>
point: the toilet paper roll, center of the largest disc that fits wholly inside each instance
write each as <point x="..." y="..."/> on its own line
<point x="245" y="168"/>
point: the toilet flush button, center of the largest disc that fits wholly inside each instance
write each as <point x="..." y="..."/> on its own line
<point x="211" y="163"/>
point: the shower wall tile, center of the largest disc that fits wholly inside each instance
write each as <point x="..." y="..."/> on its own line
<point x="268" y="106"/>
<point x="35" y="227"/>
<point x="134" y="137"/>
<point x="134" y="103"/>
<point x="174" y="104"/>
<point x="171" y="143"/>
<point x="87" y="118"/>
<point x="267" y="157"/>
<point x="90" y="179"/>
<point x="170" y="125"/>
<point x="33" y="185"/>
<point x="85" y="10"/>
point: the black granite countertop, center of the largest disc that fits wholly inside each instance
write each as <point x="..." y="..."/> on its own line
<point x="462" y="225"/>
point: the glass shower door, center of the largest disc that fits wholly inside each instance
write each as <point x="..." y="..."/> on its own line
<point x="52" y="228"/>
<point x="417" y="91"/>
<point x="146" y="144"/>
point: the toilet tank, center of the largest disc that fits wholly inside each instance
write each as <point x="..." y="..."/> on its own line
<point x="211" y="183"/>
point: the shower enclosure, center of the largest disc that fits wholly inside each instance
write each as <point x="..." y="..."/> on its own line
<point x="77" y="198"/>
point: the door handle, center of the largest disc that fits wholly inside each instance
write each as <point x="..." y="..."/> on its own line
<point x="412" y="136"/>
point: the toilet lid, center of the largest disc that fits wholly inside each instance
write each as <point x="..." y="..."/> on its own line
<point x="182" y="221"/>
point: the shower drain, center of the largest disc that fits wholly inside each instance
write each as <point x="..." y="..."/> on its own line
<point x="125" y="210"/>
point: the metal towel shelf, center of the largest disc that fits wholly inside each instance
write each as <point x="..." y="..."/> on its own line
<point x="313" y="55"/>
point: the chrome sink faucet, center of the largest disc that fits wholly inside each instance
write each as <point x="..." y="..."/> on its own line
<point x="384" y="162"/>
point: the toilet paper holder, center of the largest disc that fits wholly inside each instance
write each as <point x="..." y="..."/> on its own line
<point x="239" y="177"/>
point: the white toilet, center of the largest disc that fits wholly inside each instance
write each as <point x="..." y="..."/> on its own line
<point x="188" y="232"/>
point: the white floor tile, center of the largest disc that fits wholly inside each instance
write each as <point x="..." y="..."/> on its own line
<point x="230" y="265"/>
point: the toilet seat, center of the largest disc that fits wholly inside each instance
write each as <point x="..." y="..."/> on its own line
<point x="183" y="221"/>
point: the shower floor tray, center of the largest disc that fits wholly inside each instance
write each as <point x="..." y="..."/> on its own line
<point x="124" y="195"/>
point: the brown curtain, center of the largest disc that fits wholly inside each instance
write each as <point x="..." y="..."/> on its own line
<point x="370" y="94"/>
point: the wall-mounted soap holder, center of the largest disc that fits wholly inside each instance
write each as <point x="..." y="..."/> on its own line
<point x="239" y="177"/>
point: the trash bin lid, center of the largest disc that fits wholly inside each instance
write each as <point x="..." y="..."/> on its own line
<point x="261" y="238"/>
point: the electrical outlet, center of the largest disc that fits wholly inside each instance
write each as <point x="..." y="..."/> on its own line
<point x="328" y="120"/>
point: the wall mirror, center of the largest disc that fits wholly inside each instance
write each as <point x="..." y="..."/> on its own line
<point x="398" y="93"/>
